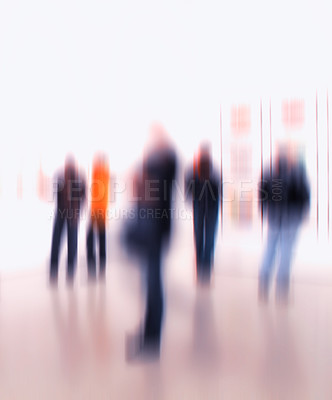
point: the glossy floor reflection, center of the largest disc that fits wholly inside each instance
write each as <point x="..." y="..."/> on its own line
<point x="218" y="342"/>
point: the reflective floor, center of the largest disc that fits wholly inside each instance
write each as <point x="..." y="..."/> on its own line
<point x="218" y="342"/>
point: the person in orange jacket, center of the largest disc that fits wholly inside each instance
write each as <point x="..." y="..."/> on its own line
<point x="97" y="226"/>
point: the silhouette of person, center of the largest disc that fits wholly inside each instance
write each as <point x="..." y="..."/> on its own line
<point x="99" y="203"/>
<point x="70" y="189"/>
<point x="285" y="197"/>
<point x="154" y="215"/>
<point x="203" y="184"/>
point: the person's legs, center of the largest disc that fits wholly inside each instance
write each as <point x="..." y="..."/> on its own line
<point x="90" y="246"/>
<point x="210" y="231"/>
<point x="56" y="240"/>
<point x="199" y="236"/>
<point x="146" y="344"/>
<point x="287" y="242"/>
<point x="72" y="249"/>
<point x="154" y="306"/>
<point x="102" y="249"/>
<point x="273" y="236"/>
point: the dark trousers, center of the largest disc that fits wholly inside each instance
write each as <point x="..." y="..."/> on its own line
<point x="90" y="244"/>
<point x="205" y="222"/>
<point x="60" y="221"/>
<point x="154" y="301"/>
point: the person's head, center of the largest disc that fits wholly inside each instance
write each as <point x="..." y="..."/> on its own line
<point x="100" y="160"/>
<point x="70" y="167"/>
<point x="282" y="160"/>
<point x="158" y="138"/>
<point x="204" y="161"/>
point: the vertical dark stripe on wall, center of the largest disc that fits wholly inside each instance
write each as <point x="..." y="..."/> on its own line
<point x="221" y="175"/>
<point x="328" y="165"/>
<point x="317" y="206"/>
<point x="270" y="138"/>
<point x="261" y="139"/>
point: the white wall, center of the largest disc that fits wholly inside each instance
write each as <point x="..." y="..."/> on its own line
<point x="80" y="75"/>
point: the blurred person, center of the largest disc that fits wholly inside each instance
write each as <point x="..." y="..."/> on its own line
<point x="154" y="213"/>
<point x="203" y="184"/>
<point x="97" y="224"/>
<point x="70" y="189"/>
<point x="285" y="197"/>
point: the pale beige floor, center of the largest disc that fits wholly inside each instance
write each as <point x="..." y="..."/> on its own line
<point x="217" y="343"/>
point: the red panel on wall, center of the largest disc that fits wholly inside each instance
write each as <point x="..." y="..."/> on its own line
<point x="293" y="113"/>
<point x="240" y="120"/>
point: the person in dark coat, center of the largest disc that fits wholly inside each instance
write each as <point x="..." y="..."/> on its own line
<point x="154" y="222"/>
<point x="70" y="190"/>
<point x="203" y="184"/>
<point x="285" y="198"/>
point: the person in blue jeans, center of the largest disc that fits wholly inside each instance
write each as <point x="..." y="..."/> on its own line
<point x="285" y="198"/>
<point x="203" y="184"/>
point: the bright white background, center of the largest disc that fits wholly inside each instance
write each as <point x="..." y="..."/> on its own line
<point x="83" y="75"/>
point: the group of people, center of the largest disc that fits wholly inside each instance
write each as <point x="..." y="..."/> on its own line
<point x="284" y="198"/>
<point x="71" y="194"/>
